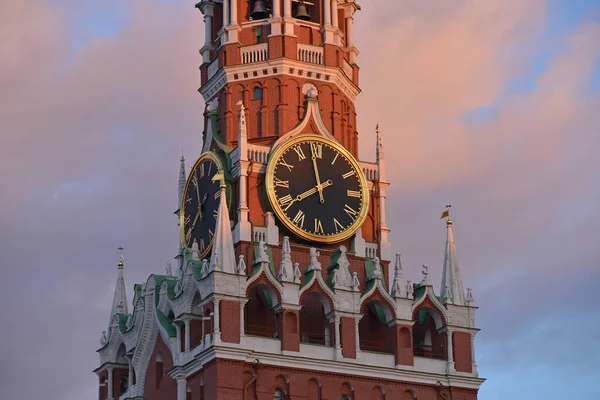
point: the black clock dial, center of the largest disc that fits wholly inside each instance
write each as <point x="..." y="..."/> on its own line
<point x="200" y="204"/>
<point x="317" y="189"/>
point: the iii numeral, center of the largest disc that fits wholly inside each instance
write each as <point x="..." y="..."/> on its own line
<point x="353" y="193"/>
<point x="350" y="211"/>
<point x="349" y="174"/>
<point x="318" y="227"/>
<point x="299" y="219"/>
<point x="280" y="183"/>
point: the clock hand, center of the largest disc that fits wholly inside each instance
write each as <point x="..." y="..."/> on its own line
<point x="316" y="169"/>
<point x="308" y="193"/>
<point x="191" y="228"/>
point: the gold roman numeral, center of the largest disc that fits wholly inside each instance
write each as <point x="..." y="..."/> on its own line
<point x="195" y="181"/>
<point x="350" y="211"/>
<point x="187" y="220"/>
<point x="285" y="201"/>
<point x="202" y="245"/>
<point x="300" y="153"/>
<point x="282" y="162"/>
<point x="215" y="214"/>
<point x="349" y="174"/>
<point x="188" y="200"/>
<point x="338" y="226"/>
<point x="209" y="167"/>
<point x="353" y="193"/>
<point x="211" y="234"/>
<point x="335" y="158"/>
<point x="217" y="194"/>
<point x="202" y="170"/>
<point x="299" y="219"/>
<point x="316" y="149"/>
<point x="318" y="227"/>
<point x="280" y="183"/>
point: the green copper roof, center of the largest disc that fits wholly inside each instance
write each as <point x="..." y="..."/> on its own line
<point x="256" y="266"/>
<point x="123" y="322"/>
<point x="166" y="323"/>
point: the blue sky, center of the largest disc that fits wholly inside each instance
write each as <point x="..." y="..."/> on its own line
<point x="491" y="106"/>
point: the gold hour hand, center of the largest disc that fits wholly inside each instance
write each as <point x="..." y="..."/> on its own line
<point x="316" y="169"/>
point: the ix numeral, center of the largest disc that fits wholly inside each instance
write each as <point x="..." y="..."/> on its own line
<point x="350" y="211"/>
<point x="299" y="219"/>
<point x="285" y="201"/>
<point x="300" y="153"/>
<point x="318" y="227"/>
<point x="282" y="162"/>
<point x="280" y="183"/>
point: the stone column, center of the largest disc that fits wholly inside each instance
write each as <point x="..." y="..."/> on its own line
<point x="217" y="326"/>
<point x="327" y="13"/>
<point x="473" y="363"/>
<point x="208" y="30"/>
<point x="242" y="332"/>
<point x="178" y="344"/>
<point x="450" y="352"/>
<point x="225" y="13"/>
<point x="338" y="342"/>
<point x="234" y="17"/>
<point x="130" y="375"/>
<point x="181" y="388"/>
<point x="349" y="31"/>
<point x="276" y="8"/>
<point x="287" y="8"/>
<point x="187" y="335"/>
<point x="110" y="384"/>
<point x="334" y="13"/>
<point x="356" y="321"/>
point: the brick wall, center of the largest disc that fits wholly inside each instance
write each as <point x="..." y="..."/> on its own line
<point x="160" y="386"/>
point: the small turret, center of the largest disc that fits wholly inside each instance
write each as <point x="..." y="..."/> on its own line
<point x="452" y="287"/>
<point x="119" y="304"/>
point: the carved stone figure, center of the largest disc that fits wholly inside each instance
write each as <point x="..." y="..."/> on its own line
<point x="103" y="339"/>
<point x="204" y="268"/>
<point x="297" y="273"/>
<point x="195" y="251"/>
<point x="355" y="282"/>
<point x="315" y="265"/>
<point x="169" y="270"/>
<point x="241" y="267"/>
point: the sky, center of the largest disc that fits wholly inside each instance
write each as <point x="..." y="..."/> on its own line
<point x="489" y="105"/>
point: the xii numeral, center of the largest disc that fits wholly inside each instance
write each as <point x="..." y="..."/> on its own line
<point x="318" y="227"/>
<point x="316" y="149"/>
<point x="300" y="153"/>
<point x="350" y="211"/>
<point x="280" y="183"/>
<point x="299" y="219"/>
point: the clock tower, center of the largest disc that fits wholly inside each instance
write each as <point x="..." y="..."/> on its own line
<point x="287" y="287"/>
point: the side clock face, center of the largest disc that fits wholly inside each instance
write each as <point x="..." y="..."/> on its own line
<point x="200" y="203"/>
<point x="317" y="189"/>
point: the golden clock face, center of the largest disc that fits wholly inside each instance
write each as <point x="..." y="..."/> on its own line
<point x="317" y="189"/>
<point x="200" y="203"/>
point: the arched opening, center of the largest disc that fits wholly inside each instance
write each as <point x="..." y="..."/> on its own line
<point x="314" y="389"/>
<point x="347" y="391"/>
<point x="208" y="323"/>
<point x="159" y="368"/>
<point x="427" y="340"/>
<point x="314" y="327"/>
<point x="103" y="389"/>
<point x="259" y="318"/>
<point x="279" y="395"/>
<point x="121" y="374"/>
<point x="373" y="331"/>
<point x="188" y="393"/>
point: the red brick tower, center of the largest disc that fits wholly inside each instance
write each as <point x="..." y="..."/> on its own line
<point x="282" y="287"/>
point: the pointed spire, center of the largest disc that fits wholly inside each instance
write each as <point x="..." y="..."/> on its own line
<point x="119" y="304"/>
<point x="181" y="179"/>
<point x="452" y="287"/>
<point x="242" y="133"/>
<point x="399" y="286"/>
<point x="286" y="268"/>
<point x="381" y="176"/>
<point x="223" y="256"/>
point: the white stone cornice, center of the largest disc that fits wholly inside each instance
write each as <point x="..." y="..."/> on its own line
<point x="283" y="65"/>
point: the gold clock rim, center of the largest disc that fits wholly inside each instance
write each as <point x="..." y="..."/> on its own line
<point x="203" y="157"/>
<point x="270" y="188"/>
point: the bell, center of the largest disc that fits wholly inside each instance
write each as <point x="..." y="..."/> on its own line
<point x="259" y="11"/>
<point x="301" y="12"/>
